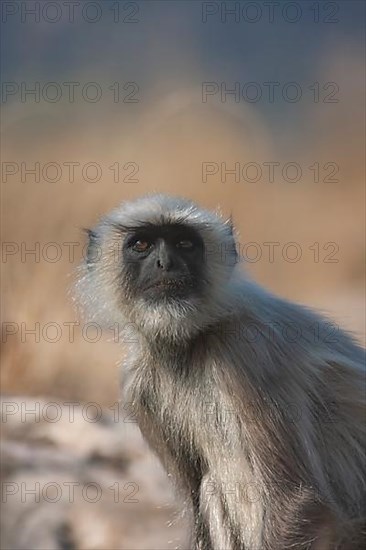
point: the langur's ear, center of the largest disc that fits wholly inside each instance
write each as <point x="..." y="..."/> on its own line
<point x="93" y="248"/>
<point x="230" y="224"/>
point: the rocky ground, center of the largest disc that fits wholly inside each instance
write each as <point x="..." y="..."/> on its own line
<point x="75" y="481"/>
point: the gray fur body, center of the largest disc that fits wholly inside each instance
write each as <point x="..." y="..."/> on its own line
<point x="256" y="405"/>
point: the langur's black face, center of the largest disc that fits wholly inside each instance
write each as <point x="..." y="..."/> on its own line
<point x="164" y="262"/>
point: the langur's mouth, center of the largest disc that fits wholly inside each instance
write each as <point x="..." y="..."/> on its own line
<point x="169" y="284"/>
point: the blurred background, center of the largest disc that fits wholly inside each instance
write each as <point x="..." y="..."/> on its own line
<point x="253" y="107"/>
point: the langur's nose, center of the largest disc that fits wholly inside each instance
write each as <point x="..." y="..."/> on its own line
<point x="164" y="260"/>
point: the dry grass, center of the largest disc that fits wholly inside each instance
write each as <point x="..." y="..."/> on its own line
<point x="169" y="142"/>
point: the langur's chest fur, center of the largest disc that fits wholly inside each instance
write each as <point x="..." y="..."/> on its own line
<point x="187" y="413"/>
<point x="180" y="402"/>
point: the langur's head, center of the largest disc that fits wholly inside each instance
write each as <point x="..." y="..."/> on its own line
<point x="160" y="262"/>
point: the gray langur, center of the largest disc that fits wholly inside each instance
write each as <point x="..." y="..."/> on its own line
<point x="252" y="403"/>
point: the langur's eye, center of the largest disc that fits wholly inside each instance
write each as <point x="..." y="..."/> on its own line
<point x="141" y="246"/>
<point x="185" y="243"/>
